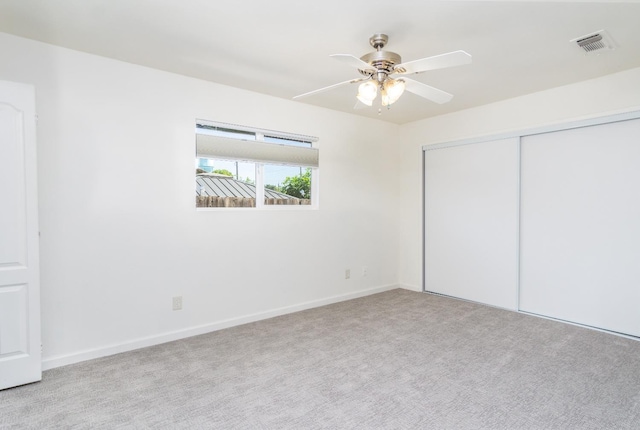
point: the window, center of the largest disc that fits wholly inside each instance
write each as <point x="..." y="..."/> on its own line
<point x="238" y="166"/>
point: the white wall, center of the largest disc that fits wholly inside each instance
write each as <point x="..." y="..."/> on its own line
<point x="120" y="235"/>
<point x="119" y="232"/>
<point x="610" y="94"/>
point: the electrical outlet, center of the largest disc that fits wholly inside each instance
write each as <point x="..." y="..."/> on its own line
<point x="177" y="303"/>
<point x="347" y="274"/>
<point x="364" y="270"/>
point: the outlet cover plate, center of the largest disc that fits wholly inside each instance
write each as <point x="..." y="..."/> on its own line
<point x="177" y="303"/>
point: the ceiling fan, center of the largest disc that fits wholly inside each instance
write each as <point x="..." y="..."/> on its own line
<point x="384" y="71"/>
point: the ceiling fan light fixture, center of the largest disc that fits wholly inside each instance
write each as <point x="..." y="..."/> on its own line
<point x="392" y="90"/>
<point x="384" y="71"/>
<point x="367" y="92"/>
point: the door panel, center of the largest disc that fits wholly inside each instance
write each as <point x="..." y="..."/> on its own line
<point x="13" y="318"/>
<point x="580" y="231"/>
<point x="20" y="358"/>
<point x="12" y="184"/>
<point x="471" y="221"/>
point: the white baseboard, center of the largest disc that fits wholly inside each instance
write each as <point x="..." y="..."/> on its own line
<point x="410" y="287"/>
<point x="90" y="354"/>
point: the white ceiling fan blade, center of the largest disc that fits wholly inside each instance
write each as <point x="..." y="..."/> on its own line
<point x="353" y="61"/>
<point x="330" y="87"/>
<point x="451" y="59"/>
<point x="426" y="91"/>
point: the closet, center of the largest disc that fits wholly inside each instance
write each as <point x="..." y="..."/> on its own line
<point x="544" y="221"/>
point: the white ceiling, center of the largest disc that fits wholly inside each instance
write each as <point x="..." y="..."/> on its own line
<point x="282" y="47"/>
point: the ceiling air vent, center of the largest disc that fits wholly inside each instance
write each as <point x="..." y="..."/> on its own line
<point x="594" y="42"/>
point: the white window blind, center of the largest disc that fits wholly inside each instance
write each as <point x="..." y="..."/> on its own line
<point x="208" y="146"/>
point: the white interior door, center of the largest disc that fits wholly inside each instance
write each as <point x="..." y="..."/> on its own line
<point x="20" y="361"/>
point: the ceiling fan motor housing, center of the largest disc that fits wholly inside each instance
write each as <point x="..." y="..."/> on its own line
<point x="381" y="61"/>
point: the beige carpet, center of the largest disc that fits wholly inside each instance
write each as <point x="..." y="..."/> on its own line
<point x="395" y="360"/>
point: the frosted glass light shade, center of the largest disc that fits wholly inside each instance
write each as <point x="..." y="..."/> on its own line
<point x="367" y="92"/>
<point x="391" y="91"/>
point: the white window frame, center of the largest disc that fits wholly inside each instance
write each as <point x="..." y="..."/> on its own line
<point x="259" y="165"/>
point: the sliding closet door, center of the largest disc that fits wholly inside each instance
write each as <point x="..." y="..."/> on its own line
<point x="580" y="225"/>
<point x="471" y="221"/>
